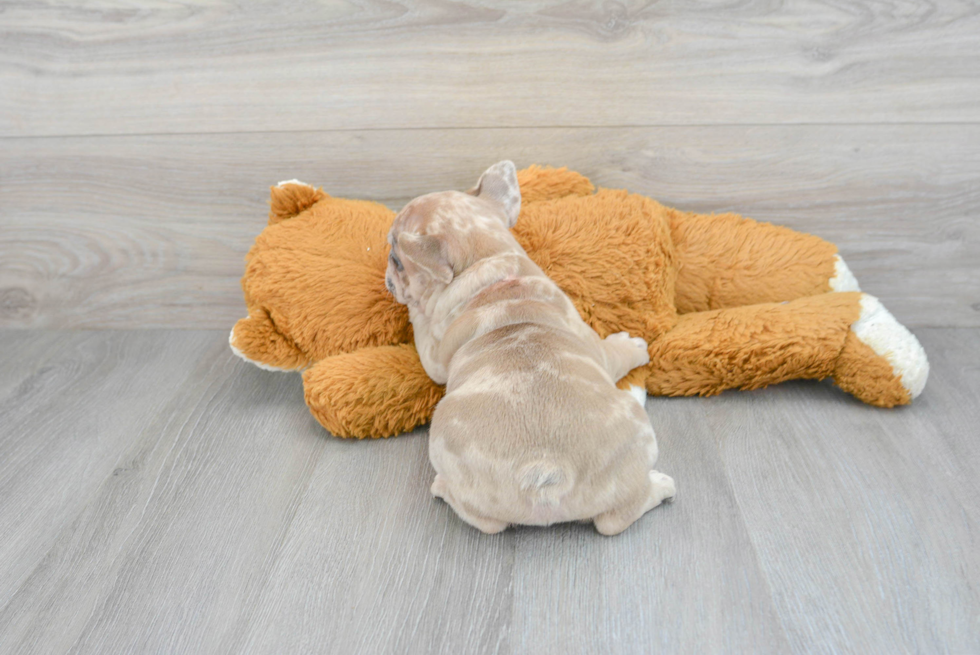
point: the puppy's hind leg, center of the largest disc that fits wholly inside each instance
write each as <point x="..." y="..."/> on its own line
<point x="615" y="521"/>
<point x="624" y="353"/>
<point x="440" y="489"/>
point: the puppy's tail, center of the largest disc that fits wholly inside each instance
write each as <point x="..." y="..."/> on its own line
<point x="545" y="479"/>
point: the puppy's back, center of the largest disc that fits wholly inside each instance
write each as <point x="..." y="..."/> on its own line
<point x="533" y="430"/>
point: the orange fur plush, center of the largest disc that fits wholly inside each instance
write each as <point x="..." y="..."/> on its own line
<point x="724" y="302"/>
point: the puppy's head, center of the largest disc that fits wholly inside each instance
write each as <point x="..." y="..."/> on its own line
<point x="438" y="236"/>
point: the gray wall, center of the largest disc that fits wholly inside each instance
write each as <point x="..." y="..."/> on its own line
<point x="137" y="147"/>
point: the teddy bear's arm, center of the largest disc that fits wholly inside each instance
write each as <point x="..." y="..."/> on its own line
<point x="848" y="336"/>
<point x="372" y="392"/>
<point x="726" y="260"/>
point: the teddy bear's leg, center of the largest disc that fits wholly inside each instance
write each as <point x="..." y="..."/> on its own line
<point x="726" y="260"/>
<point x="372" y="392"/>
<point x="848" y="336"/>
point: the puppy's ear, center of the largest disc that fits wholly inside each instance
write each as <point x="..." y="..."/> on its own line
<point x="498" y="184"/>
<point x="428" y="253"/>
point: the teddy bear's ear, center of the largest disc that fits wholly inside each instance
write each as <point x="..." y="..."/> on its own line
<point x="288" y="199"/>
<point x="428" y="252"/>
<point x="498" y="184"/>
<point x="256" y="339"/>
<point x="545" y="183"/>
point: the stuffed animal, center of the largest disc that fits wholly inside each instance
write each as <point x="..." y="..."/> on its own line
<point x="724" y="302"/>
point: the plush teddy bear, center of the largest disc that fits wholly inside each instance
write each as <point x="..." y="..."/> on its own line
<point x="723" y="301"/>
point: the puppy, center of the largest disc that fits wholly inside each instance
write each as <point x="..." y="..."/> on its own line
<point x="532" y="429"/>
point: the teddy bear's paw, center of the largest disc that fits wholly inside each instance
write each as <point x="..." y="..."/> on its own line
<point x="893" y="341"/>
<point x="639" y="393"/>
<point x="843" y="279"/>
<point x="882" y="362"/>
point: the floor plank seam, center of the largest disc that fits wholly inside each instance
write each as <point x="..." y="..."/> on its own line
<point x="462" y="128"/>
<point x="275" y="553"/>
<point x="756" y="556"/>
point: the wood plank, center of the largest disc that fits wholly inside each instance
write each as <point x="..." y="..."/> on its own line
<point x="23" y="353"/>
<point x="63" y="425"/>
<point x="210" y="66"/>
<point x="162" y="496"/>
<point x="147" y="524"/>
<point x="138" y="232"/>
<point x="373" y="564"/>
<point x="865" y="521"/>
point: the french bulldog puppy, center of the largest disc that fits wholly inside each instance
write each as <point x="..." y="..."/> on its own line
<point x="532" y="429"/>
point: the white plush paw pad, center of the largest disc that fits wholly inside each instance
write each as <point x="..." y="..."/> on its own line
<point x="265" y="367"/>
<point x="890" y="339"/>
<point x="663" y="487"/>
<point x="639" y="393"/>
<point x="843" y="279"/>
<point x="285" y="182"/>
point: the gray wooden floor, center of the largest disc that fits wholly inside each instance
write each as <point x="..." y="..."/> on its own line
<point x="158" y="495"/>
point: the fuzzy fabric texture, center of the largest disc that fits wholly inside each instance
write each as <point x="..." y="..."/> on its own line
<point x="724" y="301"/>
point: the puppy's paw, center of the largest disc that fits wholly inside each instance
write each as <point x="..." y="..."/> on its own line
<point x="636" y="346"/>
<point x="662" y="488"/>
<point x="438" y="488"/>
